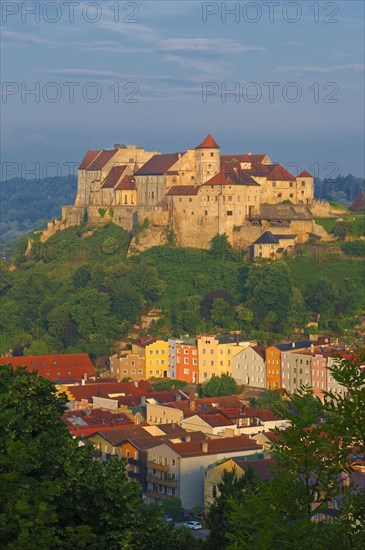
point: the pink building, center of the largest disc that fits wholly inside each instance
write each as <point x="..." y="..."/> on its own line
<point x="319" y="375"/>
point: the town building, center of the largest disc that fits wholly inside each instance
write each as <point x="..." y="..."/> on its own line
<point x="128" y="365"/>
<point x="177" y="469"/>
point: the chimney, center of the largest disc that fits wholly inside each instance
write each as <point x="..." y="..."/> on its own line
<point x="293" y="344"/>
<point x="187" y="438"/>
<point x="192" y="404"/>
<point x="136" y="383"/>
<point x="205" y="446"/>
<point x="237" y="339"/>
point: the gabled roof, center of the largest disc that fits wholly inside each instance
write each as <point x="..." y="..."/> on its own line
<point x="267" y="238"/>
<point x="127" y="183"/>
<point x="215" y="446"/>
<point x="305" y="174"/>
<point x="101" y="160"/>
<point x="279" y="173"/>
<point x="114" y="176"/>
<point x="88" y="391"/>
<point x="262" y="468"/>
<point x="65" y="367"/>
<point x="180" y="190"/>
<point x="88" y="159"/>
<point x="158" y="164"/>
<point x="232" y="178"/>
<point x="208" y="143"/>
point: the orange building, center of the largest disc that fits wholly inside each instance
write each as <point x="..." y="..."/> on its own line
<point x="187" y="367"/>
<point x="273" y="368"/>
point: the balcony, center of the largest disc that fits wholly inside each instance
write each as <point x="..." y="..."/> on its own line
<point x="156" y="494"/>
<point x="165" y="482"/>
<point x="133" y="475"/>
<point x="156" y="466"/>
<point x="133" y="461"/>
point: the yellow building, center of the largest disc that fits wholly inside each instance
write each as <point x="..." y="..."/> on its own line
<point x="215" y="357"/>
<point x="157" y="359"/>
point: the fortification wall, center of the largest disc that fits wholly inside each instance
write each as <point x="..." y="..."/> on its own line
<point x="323" y="209"/>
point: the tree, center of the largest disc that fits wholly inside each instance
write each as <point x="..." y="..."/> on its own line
<point x="230" y="487"/>
<point x="53" y="494"/>
<point x="320" y="296"/>
<point x="219" y="385"/>
<point x="269" y="287"/>
<point x="222" y="313"/>
<point x="314" y="466"/>
<point x="220" y="248"/>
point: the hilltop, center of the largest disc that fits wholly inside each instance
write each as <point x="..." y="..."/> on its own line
<point x="80" y="292"/>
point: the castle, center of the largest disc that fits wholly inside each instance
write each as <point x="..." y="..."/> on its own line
<point x="197" y="194"/>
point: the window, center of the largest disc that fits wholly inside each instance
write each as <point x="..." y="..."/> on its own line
<point x="140" y="371"/>
<point x="291" y="184"/>
<point x="186" y="371"/>
<point x="229" y="198"/>
<point x="157" y="351"/>
<point x="133" y="371"/>
<point x="132" y="363"/>
<point x="229" y="213"/>
<point x="303" y="183"/>
<point x="152" y="195"/>
<point x="212" y="154"/>
<point x="173" y="462"/>
<point x="274" y="183"/>
<point x="291" y="195"/>
<point x="186" y="361"/>
<point x="125" y="371"/>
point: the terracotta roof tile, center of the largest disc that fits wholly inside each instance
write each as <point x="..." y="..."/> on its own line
<point x="279" y="173"/>
<point x="65" y="367"/>
<point x="208" y="143"/>
<point x="214" y="446"/>
<point x="114" y="176"/>
<point x="180" y="190"/>
<point x="127" y="183"/>
<point x="101" y="160"/>
<point x="158" y="165"/>
<point x="88" y="159"/>
<point x="305" y="174"/>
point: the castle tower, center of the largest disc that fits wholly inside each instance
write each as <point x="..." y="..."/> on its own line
<point x="207" y="159"/>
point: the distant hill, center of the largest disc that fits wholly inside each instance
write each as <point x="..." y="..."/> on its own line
<point x="341" y="190"/>
<point x="28" y="205"/>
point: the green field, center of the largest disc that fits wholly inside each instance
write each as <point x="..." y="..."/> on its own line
<point x="356" y="224"/>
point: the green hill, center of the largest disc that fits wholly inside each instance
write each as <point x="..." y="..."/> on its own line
<point x="26" y="205"/>
<point x="80" y="292"/>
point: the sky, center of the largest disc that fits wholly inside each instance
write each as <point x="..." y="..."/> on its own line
<point x="282" y="78"/>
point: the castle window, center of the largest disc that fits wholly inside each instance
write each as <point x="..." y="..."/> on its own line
<point x="229" y="198"/>
<point x="152" y="195"/>
<point x="125" y="199"/>
<point x="190" y="199"/>
<point x="229" y="213"/>
<point x="303" y="183"/>
<point x="173" y="180"/>
<point x="212" y="154"/>
<point x="291" y="184"/>
<point x="274" y="183"/>
<point x="291" y="195"/>
<point x="209" y="165"/>
<point x="279" y="195"/>
<point x="180" y="199"/>
<point x="206" y="212"/>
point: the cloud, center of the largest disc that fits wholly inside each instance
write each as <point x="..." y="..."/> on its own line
<point x="312" y="69"/>
<point x="220" y="46"/>
<point x="21" y="38"/>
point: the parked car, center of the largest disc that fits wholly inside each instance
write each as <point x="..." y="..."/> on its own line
<point x="167" y="518"/>
<point x="193" y="524"/>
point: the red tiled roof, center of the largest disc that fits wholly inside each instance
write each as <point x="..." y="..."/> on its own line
<point x="101" y="160"/>
<point x="82" y="424"/>
<point x="126" y="184"/>
<point x="112" y="388"/>
<point x="214" y="446"/>
<point x="240" y="177"/>
<point x="259" y="170"/>
<point x="266" y="415"/>
<point x="114" y="176"/>
<point x="158" y="165"/>
<point x="65" y="367"/>
<point x="262" y="468"/>
<point x="305" y="174"/>
<point x="179" y="190"/>
<point x="208" y="143"/>
<point x="279" y="173"/>
<point x="88" y="159"/>
<point x="261" y="350"/>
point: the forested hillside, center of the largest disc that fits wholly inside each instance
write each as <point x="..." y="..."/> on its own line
<point x="341" y="190"/>
<point x="26" y="205"/>
<point x="80" y="292"/>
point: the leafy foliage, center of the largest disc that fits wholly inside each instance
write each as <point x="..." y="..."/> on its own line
<point x="219" y="385"/>
<point x="314" y="467"/>
<point x="54" y="495"/>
